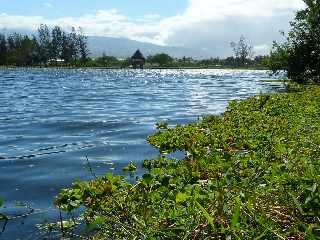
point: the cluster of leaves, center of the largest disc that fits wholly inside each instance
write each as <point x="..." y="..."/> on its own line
<point x="251" y="174"/>
<point x="48" y="46"/>
<point x="131" y="167"/>
<point x="299" y="55"/>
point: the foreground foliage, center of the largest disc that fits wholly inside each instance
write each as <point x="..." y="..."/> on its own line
<point x="253" y="173"/>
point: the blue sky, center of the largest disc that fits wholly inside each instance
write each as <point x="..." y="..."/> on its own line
<point x="199" y="24"/>
<point x="75" y="8"/>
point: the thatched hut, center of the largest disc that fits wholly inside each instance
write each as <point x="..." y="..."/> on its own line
<point x="138" y="60"/>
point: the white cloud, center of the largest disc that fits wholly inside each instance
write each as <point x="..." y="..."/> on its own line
<point x="20" y="22"/>
<point x="209" y="24"/>
<point x="217" y="9"/>
<point x="213" y="24"/>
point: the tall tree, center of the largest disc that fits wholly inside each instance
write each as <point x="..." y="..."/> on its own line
<point x="56" y="43"/>
<point x="242" y="50"/>
<point x="67" y="48"/>
<point x="26" y="52"/>
<point x="44" y="39"/>
<point x="73" y="44"/>
<point x="14" y="43"/>
<point x="36" y="50"/>
<point x="83" y="46"/>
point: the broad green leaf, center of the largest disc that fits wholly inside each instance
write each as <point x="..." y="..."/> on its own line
<point x="236" y="214"/>
<point x="147" y="178"/>
<point x="181" y="197"/>
<point x="206" y="214"/>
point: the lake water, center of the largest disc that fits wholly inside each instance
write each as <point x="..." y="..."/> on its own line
<point x="51" y="119"/>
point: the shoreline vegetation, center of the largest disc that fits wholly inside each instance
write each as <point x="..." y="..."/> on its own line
<point x="251" y="174"/>
<point x="175" y="64"/>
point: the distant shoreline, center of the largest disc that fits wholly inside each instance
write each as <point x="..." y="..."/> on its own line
<point x="118" y="68"/>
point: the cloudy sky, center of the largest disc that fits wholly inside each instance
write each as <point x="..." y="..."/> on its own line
<point x="201" y="24"/>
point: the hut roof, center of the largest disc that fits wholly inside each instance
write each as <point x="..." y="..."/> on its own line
<point x="138" y="55"/>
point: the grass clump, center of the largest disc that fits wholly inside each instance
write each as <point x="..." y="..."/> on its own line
<point x="253" y="173"/>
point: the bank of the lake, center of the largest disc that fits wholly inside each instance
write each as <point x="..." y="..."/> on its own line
<point x="251" y="174"/>
<point x="51" y="119"/>
<point x="253" y="68"/>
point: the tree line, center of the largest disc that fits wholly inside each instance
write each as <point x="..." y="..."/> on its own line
<point x="243" y="57"/>
<point x="48" y="46"/>
<point x="164" y="60"/>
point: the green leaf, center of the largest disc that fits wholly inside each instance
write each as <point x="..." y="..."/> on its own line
<point x="147" y="178"/>
<point x="1" y="202"/>
<point x="181" y="197"/>
<point x="206" y="214"/>
<point x="100" y="220"/>
<point x="236" y="214"/>
<point x="298" y="205"/>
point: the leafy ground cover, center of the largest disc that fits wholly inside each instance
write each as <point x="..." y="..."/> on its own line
<point x="253" y="173"/>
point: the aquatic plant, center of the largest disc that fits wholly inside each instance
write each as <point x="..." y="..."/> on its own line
<point x="251" y="174"/>
<point x="131" y="167"/>
<point x="3" y="217"/>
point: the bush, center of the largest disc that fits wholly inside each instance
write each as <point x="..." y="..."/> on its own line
<point x="299" y="55"/>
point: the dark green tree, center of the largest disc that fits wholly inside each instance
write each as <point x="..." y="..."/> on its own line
<point x="36" y="49"/>
<point x="45" y="48"/>
<point x="13" y="45"/>
<point x="67" y="48"/>
<point x="299" y="55"/>
<point x="44" y="39"/>
<point x="162" y="59"/>
<point x="107" y="61"/>
<point x="21" y="50"/>
<point x="56" y="43"/>
<point x="3" y="50"/>
<point x="83" y="46"/>
<point x="73" y="44"/>
<point x="27" y="51"/>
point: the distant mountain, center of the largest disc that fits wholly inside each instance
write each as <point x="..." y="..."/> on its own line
<point x="123" y="48"/>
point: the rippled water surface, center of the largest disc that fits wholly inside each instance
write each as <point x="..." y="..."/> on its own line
<point x="51" y="119"/>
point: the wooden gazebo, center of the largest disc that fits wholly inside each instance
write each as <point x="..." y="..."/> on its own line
<point x="138" y="60"/>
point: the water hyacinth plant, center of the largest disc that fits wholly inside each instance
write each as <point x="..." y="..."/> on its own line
<point x="253" y="173"/>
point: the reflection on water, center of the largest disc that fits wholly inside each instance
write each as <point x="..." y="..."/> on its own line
<point x="51" y="119"/>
